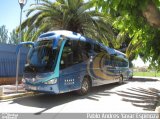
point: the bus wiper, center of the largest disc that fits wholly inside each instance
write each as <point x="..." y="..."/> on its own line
<point x="31" y="68"/>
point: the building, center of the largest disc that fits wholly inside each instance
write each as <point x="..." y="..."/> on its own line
<point x="8" y="59"/>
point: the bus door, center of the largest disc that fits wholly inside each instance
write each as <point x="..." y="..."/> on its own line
<point x="70" y="67"/>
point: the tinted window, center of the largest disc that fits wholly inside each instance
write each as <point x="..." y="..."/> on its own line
<point x="84" y="49"/>
<point x="41" y="58"/>
<point x="121" y="62"/>
<point x="70" y="54"/>
<point x="98" y="48"/>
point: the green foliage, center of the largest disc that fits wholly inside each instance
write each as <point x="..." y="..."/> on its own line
<point x="77" y="16"/>
<point x="13" y="39"/>
<point x="128" y="19"/>
<point x="3" y="34"/>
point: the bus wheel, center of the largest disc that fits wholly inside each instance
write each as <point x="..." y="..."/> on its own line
<point x="85" y="87"/>
<point x="120" y="80"/>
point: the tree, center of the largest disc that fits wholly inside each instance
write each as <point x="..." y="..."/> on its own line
<point x="13" y="39"/>
<point x="140" y="19"/>
<point x="3" y="34"/>
<point x="148" y="9"/>
<point x="71" y="15"/>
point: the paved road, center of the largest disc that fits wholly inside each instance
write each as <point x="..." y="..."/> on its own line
<point x="133" y="96"/>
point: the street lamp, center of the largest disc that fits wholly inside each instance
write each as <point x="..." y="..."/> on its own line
<point x="21" y="3"/>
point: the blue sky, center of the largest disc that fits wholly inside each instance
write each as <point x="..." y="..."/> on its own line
<point x="10" y="13"/>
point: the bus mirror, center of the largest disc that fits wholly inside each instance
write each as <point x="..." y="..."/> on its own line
<point x="91" y="57"/>
<point x="22" y="44"/>
<point x="54" y="48"/>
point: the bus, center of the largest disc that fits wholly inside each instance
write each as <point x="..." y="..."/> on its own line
<point x="64" y="61"/>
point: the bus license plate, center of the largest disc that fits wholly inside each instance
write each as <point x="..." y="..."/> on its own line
<point x="32" y="87"/>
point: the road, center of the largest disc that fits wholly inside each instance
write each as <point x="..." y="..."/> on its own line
<point x="132" y="96"/>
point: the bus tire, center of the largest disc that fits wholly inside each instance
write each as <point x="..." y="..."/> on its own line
<point x="120" y="80"/>
<point x="85" y="86"/>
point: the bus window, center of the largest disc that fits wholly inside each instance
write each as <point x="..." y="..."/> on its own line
<point x="125" y="63"/>
<point x="98" y="48"/>
<point x="70" y="54"/>
<point x="41" y="58"/>
<point x="84" y="49"/>
<point x="121" y="62"/>
<point x="77" y="58"/>
<point x="67" y="56"/>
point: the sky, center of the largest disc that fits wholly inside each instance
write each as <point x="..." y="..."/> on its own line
<point x="139" y="63"/>
<point x="10" y="13"/>
<point x="10" y="17"/>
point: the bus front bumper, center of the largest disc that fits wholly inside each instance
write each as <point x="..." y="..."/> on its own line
<point x="43" y="88"/>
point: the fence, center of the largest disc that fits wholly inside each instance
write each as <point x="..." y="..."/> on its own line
<point x="8" y="60"/>
<point x="144" y="71"/>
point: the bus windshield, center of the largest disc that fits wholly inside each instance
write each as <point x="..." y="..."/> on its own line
<point x="41" y="58"/>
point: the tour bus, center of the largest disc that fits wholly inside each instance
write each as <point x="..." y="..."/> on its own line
<point x="63" y="61"/>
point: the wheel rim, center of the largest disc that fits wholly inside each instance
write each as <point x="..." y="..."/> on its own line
<point x="85" y="86"/>
<point x="120" y="79"/>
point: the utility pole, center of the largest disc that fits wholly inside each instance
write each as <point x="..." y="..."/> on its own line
<point x="21" y="3"/>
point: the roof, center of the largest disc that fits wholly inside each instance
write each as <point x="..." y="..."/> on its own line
<point x="112" y="51"/>
<point x="69" y="34"/>
<point x="77" y="36"/>
<point x="120" y="53"/>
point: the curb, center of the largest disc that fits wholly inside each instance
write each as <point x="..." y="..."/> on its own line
<point x="146" y="78"/>
<point x="142" y="79"/>
<point x="16" y="95"/>
<point x="157" y="110"/>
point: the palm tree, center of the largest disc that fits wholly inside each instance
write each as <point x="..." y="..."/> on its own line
<point x="74" y="15"/>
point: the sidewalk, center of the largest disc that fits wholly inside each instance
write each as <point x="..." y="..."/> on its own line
<point x="145" y="77"/>
<point x="9" y="92"/>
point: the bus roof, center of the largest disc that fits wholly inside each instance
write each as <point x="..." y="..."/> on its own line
<point x="112" y="51"/>
<point x="120" y="53"/>
<point x="78" y="36"/>
<point x="69" y="34"/>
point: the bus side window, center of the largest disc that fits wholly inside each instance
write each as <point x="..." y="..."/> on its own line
<point x="70" y="54"/>
<point x="125" y="63"/>
<point x="77" y="58"/>
<point x="84" y="50"/>
<point x="98" y="48"/>
<point x="67" y="56"/>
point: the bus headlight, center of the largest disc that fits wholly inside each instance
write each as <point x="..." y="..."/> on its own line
<point x="23" y="80"/>
<point x="53" y="81"/>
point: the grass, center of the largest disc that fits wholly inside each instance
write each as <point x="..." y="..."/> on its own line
<point x="149" y="74"/>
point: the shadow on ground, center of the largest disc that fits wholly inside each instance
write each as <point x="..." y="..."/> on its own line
<point x="142" y="80"/>
<point x="140" y="97"/>
<point x="48" y="101"/>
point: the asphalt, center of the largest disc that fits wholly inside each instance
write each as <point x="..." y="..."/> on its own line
<point x="10" y="92"/>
